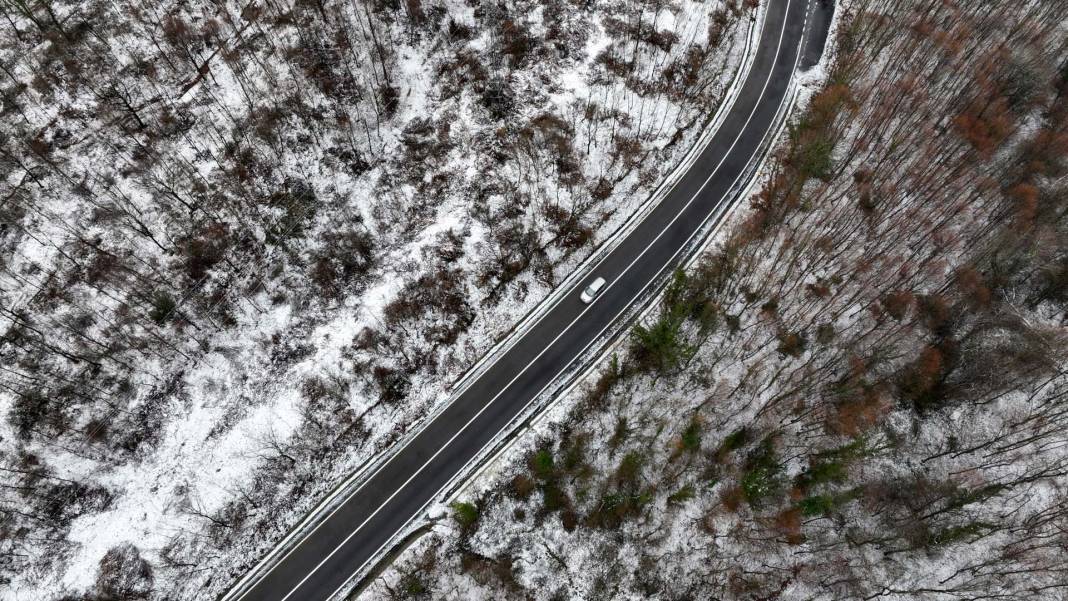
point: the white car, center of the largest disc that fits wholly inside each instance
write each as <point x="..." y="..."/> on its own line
<point x="592" y="290"/>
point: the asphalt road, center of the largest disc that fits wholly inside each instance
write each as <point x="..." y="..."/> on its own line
<point x="316" y="568"/>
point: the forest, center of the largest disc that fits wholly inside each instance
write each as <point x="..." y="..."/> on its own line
<point x="859" y="391"/>
<point x="245" y="246"/>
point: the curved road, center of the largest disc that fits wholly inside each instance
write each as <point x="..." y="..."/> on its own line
<point x="343" y="544"/>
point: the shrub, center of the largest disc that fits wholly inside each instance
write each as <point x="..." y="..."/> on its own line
<point x="124" y="575"/>
<point x="629" y="469"/>
<point x="816" y="505"/>
<point x="345" y="258"/>
<point x="985" y="124"/>
<point x="788" y="523"/>
<point x="897" y="304"/>
<point x="922" y="382"/>
<point x="732" y="497"/>
<point x="619" y="433"/>
<point x="298" y="203"/>
<point x="96" y="430"/>
<point x="498" y="98"/>
<point x="857" y="414"/>
<point x="393" y="384"/>
<point x="61" y="503"/>
<point x="465" y="514"/>
<point x="412" y="586"/>
<point x="734" y="441"/>
<point x="32" y="410"/>
<point x="163" y="305"/>
<point x="825" y="333"/>
<point x="574" y="453"/>
<point x="205" y="250"/>
<point x="570" y="232"/>
<point x="660" y="346"/>
<point x="390" y="100"/>
<point x="691" y="436"/>
<point x="522" y="486"/>
<point x="822" y="472"/>
<point x="760" y="482"/>
<point x="792" y="344"/>
<point x="542" y="464"/>
<point x="516" y="42"/>
<point x="682" y="495"/>
<point x="443" y="291"/>
<point x="569" y="520"/>
<point x="957" y="534"/>
<point x="617" y="507"/>
<point x="554" y="498"/>
<point x="602" y="190"/>
<point x="598" y="393"/>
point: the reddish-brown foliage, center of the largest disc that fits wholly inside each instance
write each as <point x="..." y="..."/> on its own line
<point x="973" y="287"/>
<point x="933" y="310"/>
<point x="1024" y="197"/>
<point x="985" y="125"/>
<point x="826" y="105"/>
<point x="732" y="498"/>
<point x="856" y="416"/>
<point x="788" y="524"/>
<point x="897" y="304"/>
